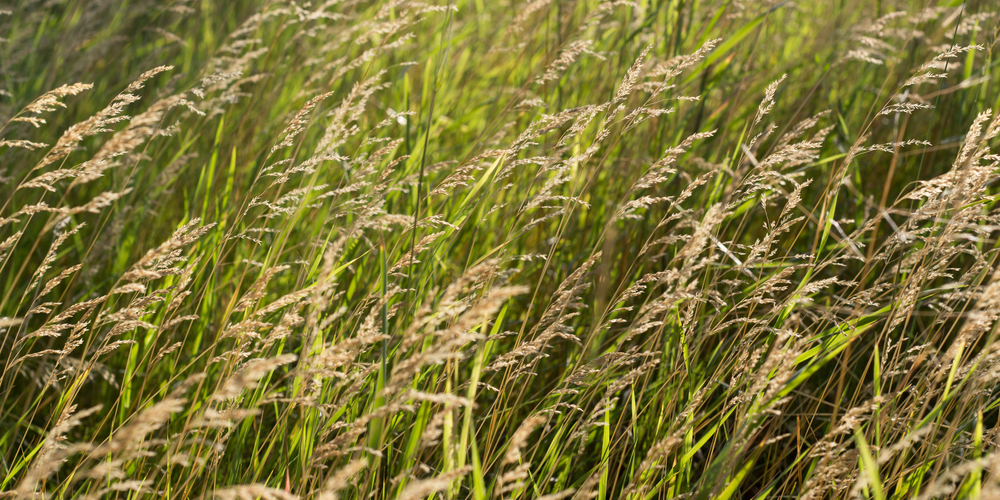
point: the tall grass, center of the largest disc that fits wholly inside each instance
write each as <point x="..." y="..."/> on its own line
<point x="555" y="249"/>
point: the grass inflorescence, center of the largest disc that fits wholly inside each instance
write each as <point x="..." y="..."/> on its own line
<point x="544" y="249"/>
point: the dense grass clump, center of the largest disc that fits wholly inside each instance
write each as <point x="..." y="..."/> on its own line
<point x="545" y="249"/>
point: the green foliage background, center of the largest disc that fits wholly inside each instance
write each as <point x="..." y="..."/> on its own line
<point x="546" y="249"/>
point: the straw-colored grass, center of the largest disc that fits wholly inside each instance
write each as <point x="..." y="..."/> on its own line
<point x="546" y="249"/>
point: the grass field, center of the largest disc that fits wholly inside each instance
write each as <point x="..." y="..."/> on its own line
<point x="543" y="249"/>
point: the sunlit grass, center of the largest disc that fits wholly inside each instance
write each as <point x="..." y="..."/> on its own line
<point x="549" y="249"/>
